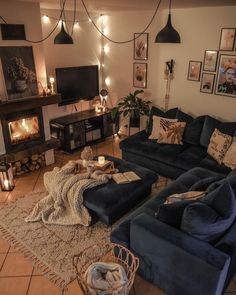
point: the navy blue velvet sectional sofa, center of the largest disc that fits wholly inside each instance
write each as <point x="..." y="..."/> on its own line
<point x="177" y="261"/>
<point x="173" y="160"/>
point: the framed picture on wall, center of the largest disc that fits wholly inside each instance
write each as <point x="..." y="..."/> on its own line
<point x="207" y="83"/>
<point x="210" y="60"/>
<point x="19" y="71"/>
<point x="140" y="75"/>
<point x="227" y="38"/>
<point x="226" y="76"/>
<point x="194" y="70"/>
<point x="141" y="46"/>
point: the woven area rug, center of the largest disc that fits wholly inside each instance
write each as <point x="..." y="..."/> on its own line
<point x="49" y="247"/>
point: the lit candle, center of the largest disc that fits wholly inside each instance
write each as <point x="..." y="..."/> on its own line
<point x="6" y="185"/>
<point x="52" y="80"/>
<point x="101" y="160"/>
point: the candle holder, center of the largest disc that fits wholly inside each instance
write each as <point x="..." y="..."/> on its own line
<point x="52" y="80"/>
<point x="6" y="177"/>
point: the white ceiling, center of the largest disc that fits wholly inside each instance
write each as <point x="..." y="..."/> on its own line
<point x="108" y="5"/>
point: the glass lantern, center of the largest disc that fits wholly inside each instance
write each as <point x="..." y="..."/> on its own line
<point x="6" y="177"/>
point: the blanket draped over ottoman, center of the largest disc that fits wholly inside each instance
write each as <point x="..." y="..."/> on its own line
<point x="64" y="203"/>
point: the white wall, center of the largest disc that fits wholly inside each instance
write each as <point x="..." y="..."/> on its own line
<point x="199" y="28"/>
<point x="86" y="50"/>
<point x="29" y="15"/>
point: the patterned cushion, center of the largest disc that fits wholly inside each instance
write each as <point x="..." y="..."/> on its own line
<point x="218" y="146"/>
<point x="171" y="132"/>
<point x="156" y="126"/>
<point x="230" y="156"/>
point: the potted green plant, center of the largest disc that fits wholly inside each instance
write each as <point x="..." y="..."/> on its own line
<point x="132" y="106"/>
<point x="20" y="74"/>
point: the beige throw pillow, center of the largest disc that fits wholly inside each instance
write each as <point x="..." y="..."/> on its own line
<point x="171" y="132"/>
<point x="230" y="156"/>
<point x="156" y="126"/>
<point x="219" y="144"/>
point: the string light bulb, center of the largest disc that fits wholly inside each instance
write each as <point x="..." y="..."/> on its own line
<point x="46" y="19"/>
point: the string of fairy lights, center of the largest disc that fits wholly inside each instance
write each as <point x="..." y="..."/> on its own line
<point x="47" y="19"/>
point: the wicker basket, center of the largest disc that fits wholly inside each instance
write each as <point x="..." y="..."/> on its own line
<point x="106" y="252"/>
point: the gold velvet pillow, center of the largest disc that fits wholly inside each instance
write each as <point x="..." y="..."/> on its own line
<point x="171" y="132"/>
<point x="230" y="156"/>
<point x="156" y="126"/>
<point x="219" y="144"/>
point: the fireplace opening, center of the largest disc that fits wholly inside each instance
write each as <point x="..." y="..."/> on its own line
<point x="22" y="130"/>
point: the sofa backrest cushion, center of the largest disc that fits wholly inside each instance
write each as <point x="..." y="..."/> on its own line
<point x="193" y="127"/>
<point x="209" y="126"/>
<point x="208" y="219"/>
<point x="219" y="145"/>
<point x="172" y="213"/>
<point x="171" y="114"/>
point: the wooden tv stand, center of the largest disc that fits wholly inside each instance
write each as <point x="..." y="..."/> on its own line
<point x="83" y="128"/>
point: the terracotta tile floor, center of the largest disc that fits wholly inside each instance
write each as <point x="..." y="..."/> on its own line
<point x="17" y="276"/>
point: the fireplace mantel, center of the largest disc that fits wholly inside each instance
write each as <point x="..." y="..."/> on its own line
<point x="18" y="105"/>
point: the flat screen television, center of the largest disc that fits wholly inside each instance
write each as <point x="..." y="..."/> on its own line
<point x="76" y="83"/>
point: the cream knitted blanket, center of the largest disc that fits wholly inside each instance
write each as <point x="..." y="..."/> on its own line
<point x="64" y="203"/>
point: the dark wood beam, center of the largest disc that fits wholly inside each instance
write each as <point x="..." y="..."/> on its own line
<point x="18" y="105"/>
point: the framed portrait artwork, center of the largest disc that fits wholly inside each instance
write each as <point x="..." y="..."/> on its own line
<point x="140" y="75"/>
<point x="18" y="68"/>
<point x="210" y="60"/>
<point x="226" y="76"/>
<point x="141" y="46"/>
<point x="207" y="83"/>
<point x="194" y="70"/>
<point x="227" y="38"/>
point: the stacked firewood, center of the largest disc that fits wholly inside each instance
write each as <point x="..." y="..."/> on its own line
<point x="28" y="164"/>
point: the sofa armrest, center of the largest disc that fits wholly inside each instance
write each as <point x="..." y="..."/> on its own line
<point x="177" y="262"/>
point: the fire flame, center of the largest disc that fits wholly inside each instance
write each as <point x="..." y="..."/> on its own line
<point x="24" y="129"/>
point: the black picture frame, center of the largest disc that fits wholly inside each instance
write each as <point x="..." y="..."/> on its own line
<point x="13" y="32"/>
<point x="227" y="39"/>
<point x="210" y="60"/>
<point x="194" y="70"/>
<point x="141" y="46"/>
<point x="140" y="75"/>
<point x="18" y="70"/>
<point x="207" y="83"/>
<point x="225" y="84"/>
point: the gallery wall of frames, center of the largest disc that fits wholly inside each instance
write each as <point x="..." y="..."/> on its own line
<point x="217" y="72"/>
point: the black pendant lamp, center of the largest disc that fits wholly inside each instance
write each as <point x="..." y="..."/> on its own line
<point x="63" y="37"/>
<point x="168" y="34"/>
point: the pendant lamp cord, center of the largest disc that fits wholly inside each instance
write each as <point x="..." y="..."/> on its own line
<point x="169" y="6"/>
<point x="53" y="30"/>
<point x="62" y="14"/>
<point x="126" y="41"/>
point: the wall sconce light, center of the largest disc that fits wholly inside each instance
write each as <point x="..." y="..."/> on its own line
<point x="168" y="34"/>
<point x="6" y="177"/>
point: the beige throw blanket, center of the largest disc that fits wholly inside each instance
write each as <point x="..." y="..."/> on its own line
<point x="103" y="276"/>
<point x="64" y="203"/>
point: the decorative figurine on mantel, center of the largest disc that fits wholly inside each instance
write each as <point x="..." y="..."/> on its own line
<point x="86" y="155"/>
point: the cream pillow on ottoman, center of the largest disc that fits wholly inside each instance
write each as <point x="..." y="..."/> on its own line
<point x="171" y="132"/>
<point x="219" y="144"/>
<point x="230" y="156"/>
<point x="156" y="126"/>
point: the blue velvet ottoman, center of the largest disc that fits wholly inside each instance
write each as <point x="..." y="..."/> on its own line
<point x="111" y="201"/>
